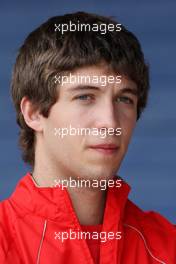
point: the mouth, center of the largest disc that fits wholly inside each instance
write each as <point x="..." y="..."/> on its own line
<point x="106" y="149"/>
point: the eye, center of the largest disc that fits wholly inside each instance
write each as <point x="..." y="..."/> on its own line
<point x="125" y="99"/>
<point x="84" y="97"/>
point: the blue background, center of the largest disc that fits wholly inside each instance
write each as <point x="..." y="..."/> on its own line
<point x="150" y="165"/>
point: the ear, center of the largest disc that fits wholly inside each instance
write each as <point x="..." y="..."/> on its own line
<point x="31" y="116"/>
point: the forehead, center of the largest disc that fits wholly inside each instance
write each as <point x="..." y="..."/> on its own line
<point x="101" y="69"/>
<point x="100" y="73"/>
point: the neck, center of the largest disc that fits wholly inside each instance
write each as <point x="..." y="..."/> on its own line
<point x="88" y="203"/>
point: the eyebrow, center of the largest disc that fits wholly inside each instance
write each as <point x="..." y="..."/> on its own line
<point x="131" y="90"/>
<point x="83" y="87"/>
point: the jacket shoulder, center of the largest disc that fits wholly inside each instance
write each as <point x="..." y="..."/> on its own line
<point x="136" y="215"/>
<point x="158" y="234"/>
<point x="6" y="230"/>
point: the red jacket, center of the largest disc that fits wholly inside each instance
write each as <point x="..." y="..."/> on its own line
<point x="32" y="216"/>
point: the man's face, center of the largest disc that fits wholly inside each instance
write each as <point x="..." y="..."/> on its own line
<point x="94" y="106"/>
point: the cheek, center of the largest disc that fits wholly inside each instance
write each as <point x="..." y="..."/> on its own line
<point x="127" y="124"/>
<point x="64" y="115"/>
<point x="59" y="118"/>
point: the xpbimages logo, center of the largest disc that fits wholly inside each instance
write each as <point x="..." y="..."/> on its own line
<point x="82" y="235"/>
<point x="100" y="27"/>
<point x="102" y="80"/>
<point x="86" y="131"/>
<point x="86" y="183"/>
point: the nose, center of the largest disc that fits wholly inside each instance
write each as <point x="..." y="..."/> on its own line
<point x="107" y="116"/>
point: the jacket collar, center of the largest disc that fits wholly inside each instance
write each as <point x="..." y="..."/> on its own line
<point x="55" y="204"/>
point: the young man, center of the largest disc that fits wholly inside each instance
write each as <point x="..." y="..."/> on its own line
<point x="76" y="76"/>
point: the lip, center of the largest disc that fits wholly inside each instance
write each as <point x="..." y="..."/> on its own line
<point x="105" y="148"/>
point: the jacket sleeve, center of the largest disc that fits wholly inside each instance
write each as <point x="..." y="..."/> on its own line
<point x="3" y="245"/>
<point x="8" y="252"/>
<point x="162" y="235"/>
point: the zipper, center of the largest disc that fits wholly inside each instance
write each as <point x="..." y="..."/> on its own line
<point x="41" y="242"/>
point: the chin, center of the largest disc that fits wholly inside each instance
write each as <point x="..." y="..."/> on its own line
<point x="101" y="174"/>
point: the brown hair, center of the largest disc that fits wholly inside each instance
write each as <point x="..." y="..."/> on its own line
<point x="47" y="52"/>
